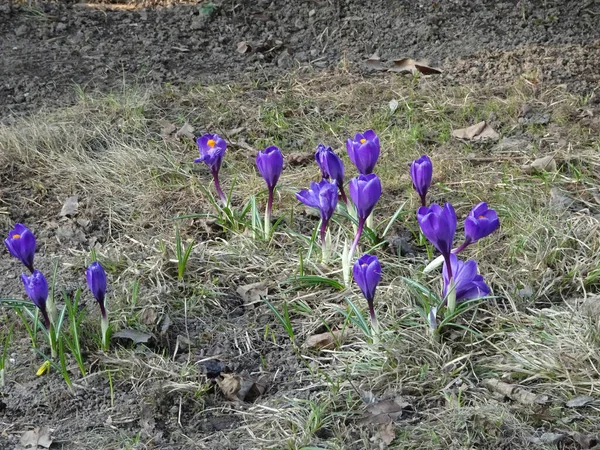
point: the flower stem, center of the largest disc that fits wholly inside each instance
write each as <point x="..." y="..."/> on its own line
<point x="104" y="331"/>
<point x="359" y="230"/>
<point x="462" y="246"/>
<point x="218" y="187"/>
<point x="424" y="200"/>
<point x="374" y="323"/>
<point x="343" y="194"/>
<point x="268" y="212"/>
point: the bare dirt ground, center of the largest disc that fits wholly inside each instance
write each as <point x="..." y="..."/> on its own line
<point x="90" y="97"/>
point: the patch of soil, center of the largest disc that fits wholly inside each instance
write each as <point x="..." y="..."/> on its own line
<point x="48" y="48"/>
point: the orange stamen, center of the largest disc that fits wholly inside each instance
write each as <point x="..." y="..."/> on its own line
<point x="211" y="143"/>
<point x="363" y="140"/>
<point x="481" y="217"/>
<point x="16" y="236"/>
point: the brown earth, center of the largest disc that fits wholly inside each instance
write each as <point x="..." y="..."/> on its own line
<point x="49" y="49"/>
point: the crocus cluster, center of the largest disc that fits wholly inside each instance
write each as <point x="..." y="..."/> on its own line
<point x="438" y="224"/>
<point x="21" y="244"/>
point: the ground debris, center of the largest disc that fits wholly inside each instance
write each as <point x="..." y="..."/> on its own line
<point x="579" y="401"/>
<point x="136" y="336"/>
<point x="328" y="340"/>
<point x="385" y="411"/>
<point x="479" y="132"/>
<point x="70" y="207"/>
<point x="241" y="386"/>
<point x="38" y="437"/>
<point x="515" y="393"/>
<point x="544" y="164"/>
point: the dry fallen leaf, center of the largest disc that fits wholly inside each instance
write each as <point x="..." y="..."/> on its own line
<point x="70" y="207"/>
<point x="298" y="159"/>
<point x="326" y="341"/>
<point x="580" y="401"/>
<point x="230" y="385"/>
<point x="374" y="63"/>
<point x="241" y="387"/>
<point x="167" y="130"/>
<point x="545" y="164"/>
<point x="410" y="65"/>
<point x="187" y="131"/>
<point x="252" y="293"/>
<point x="478" y="132"/>
<point x="385" y="411"/>
<point x="148" y="316"/>
<point x="242" y="47"/>
<point x="393" y="104"/>
<point x="385" y="435"/>
<point x="515" y="393"/>
<point x="138" y="337"/>
<point x="36" y="437"/>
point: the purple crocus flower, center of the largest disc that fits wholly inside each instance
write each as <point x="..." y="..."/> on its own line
<point x="212" y="149"/>
<point x="331" y="167"/>
<point x="96" y="281"/>
<point x="363" y="151"/>
<point x="367" y="273"/>
<point x="365" y="191"/>
<point x="468" y="284"/>
<point x="270" y="165"/>
<point x="439" y="226"/>
<point x="324" y="196"/>
<point x="421" y="172"/>
<point x="36" y="287"/>
<point x="21" y="244"/>
<point x="480" y="222"/>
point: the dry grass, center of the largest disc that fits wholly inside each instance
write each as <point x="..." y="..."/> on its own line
<point x="132" y="183"/>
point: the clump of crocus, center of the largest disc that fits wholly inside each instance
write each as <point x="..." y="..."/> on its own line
<point x="96" y="281"/>
<point x="324" y="196"/>
<point x="367" y="273"/>
<point x="421" y="172"/>
<point x="365" y="191"/>
<point x="270" y="166"/>
<point x="332" y="167"/>
<point x="212" y="149"/>
<point x="21" y="244"/>
<point x="363" y="151"/>
<point x="462" y="282"/>
<point x="481" y="222"/>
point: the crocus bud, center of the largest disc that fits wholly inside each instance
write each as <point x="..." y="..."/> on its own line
<point x="330" y="164"/>
<point x="363" y="151"/>
<point x="468" y="284"/>
<point x="365" y="191"/>
<point x="212" y="149"/>
<point x="480" y="222"/>
<point x="21" y="244"/>
<point x="96" y="281"/>
<point x="421" y="172"/>
<point x="270" y="165"/>
<point x="439" y="226"/>
<point x="367" y="273"/>
<point x="36" y="287"/>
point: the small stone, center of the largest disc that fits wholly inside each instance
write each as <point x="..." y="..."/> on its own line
<point x="21" y="31"/>
<point x="60" y="26"/>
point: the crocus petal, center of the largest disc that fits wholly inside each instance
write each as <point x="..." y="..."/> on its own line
<point x="438" y="225"/>
<point x="212" y="149"/>
<point x="468" y="284"/>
